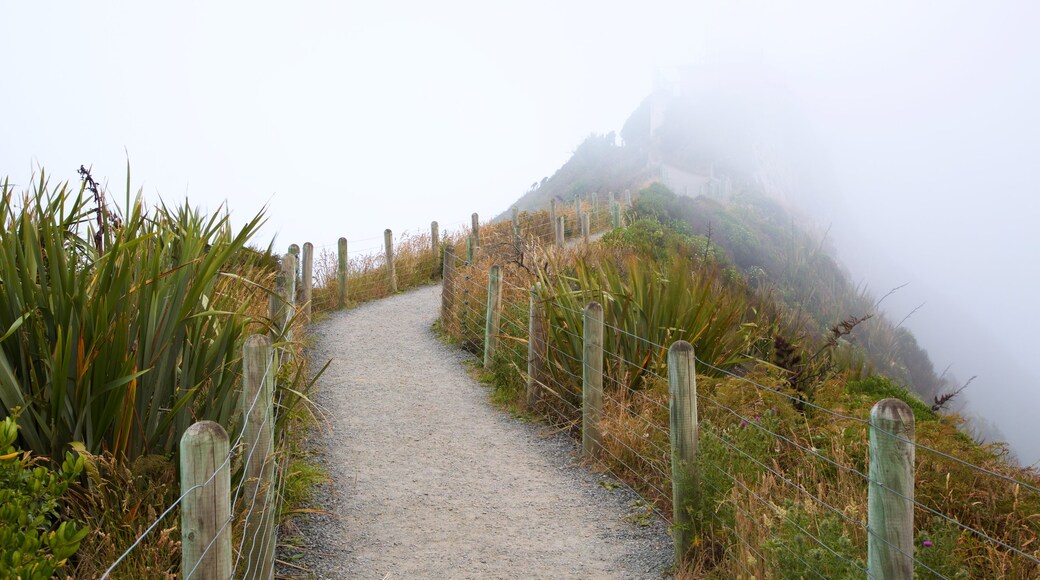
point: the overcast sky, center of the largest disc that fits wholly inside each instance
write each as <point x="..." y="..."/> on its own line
<point x="347" y="118"/>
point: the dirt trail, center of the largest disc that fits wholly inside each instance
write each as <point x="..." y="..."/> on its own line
<point x="429" y="481"/>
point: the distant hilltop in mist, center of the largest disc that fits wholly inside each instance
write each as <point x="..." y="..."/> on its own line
<point x="703" y="129"/>
<point x="740" y="144"/>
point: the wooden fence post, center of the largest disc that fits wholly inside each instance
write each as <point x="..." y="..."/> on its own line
<point x="561" y="236"/>
<point x="476" y="227"/>
<point x="552" y="216"/>
<point x="278" y="301"/>
<point x="292" y="261"/>
<point x="615" y="214"/>
<point x="535" y="348"/>
<point x="435" y="248"/>
<point x="256" y="405"/>
<point x="471" y="249"/>
<point x="288" y="307"/>
<point x="341" y="273"/>
<point x="577" y="209"/>
<point x="204" y="447"/>
<point x="294" y="249"/>
<point x="682" y="411"/>
<point x="464" y="314"/>
<point x="391" y="271"/>
<point x="628" y="198"/>
<point x="890" y="495"/>
<point x="447" y="285"/>
<point x="494" y="315"/>
<point x="592" y="380"/>
<point x="308" y="281"/>
<point x="585" y="227"/>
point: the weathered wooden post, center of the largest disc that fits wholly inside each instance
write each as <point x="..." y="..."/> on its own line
<point x="592" y="380"/>
<point x="471" y="249"/>
<point x="464" y="315"/>
<point x="256" y="406"/>
<point x="585" y="227"/>
<point x="294" y="249"/>
<point x="682" y="410"/>
<point x="628" y="198"/>
<point x="890" y="495"/>
<point x="292" y="263"/>
<point x="341" y="273"/>
<point x="278" y="302"/>
<point x="391" y="271"/>
<point x="206" y="507"/>
<point x="435" y="247"/>
<point x="308" y="281"/>
<point x="287" y="308"/>
<point x="561" y="236"/>
<point x="577" y="209"/>
<point x="494" y="315"/>
<point x="447" y="284"/>
<point x="535" y="348"/>
<point x="476" y="227"/>
<point x="552" y="216"/>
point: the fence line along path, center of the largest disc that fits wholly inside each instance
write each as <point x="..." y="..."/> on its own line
<point x="428" y="480"/>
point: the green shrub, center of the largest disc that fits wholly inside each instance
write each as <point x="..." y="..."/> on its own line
<point x="34" y="543"/>
<point x="878" y="387"/>
<point x="796" y="549"/>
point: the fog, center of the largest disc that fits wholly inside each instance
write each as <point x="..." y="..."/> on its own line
<point x="916" y="127"/>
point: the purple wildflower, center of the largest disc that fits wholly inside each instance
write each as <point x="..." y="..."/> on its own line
<point x="926" y="544"/>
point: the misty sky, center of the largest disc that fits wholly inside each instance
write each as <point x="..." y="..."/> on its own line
<point x="351" y="117"/>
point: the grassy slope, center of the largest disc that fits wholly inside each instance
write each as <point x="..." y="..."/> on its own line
<point x="796" y="290"/>
<point x="779" y="480"/>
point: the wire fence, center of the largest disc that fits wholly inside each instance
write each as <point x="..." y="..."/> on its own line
<point x="241" y="452"/>
<point x="784" y="485"/>
<point x="230" y="531"/>
<point x="240" y="542"/>
<point x="783" y="481"/>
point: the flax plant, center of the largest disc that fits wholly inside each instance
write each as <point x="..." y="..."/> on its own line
<point x="119" y="346"/>
<point x="648" y="307"/>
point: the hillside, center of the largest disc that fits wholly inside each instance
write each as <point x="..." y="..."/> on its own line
<point x="741" y="198"/>
<point x="786" y="388"/>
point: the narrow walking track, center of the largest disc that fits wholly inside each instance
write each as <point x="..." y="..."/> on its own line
<point x="430" y="481"/>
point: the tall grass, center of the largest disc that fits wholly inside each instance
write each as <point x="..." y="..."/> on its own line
<point x="781" y="489"/>
<point x="113" y="344"/>
<point x="124" y="348"/>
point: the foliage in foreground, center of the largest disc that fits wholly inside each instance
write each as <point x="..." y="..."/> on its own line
<point x="117" y="331"/>
<point x="121" y="344"/>
<point x="35" y="540"/>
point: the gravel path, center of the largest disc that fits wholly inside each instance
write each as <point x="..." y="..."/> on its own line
<point x="430" y="481"/>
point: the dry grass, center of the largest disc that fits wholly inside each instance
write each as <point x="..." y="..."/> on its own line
<point x="783" y="491"/>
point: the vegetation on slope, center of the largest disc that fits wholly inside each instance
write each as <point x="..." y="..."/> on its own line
<point x="118" y="332"/>
<point x="599" y="164"/>
<point x="783" y="463"/>
<point x="756" y="239"/>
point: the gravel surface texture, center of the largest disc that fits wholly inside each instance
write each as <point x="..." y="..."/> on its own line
<point x="430" y="481"/>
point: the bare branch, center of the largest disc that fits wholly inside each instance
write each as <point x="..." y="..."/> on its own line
<point x="912" y="312"/>
<point x="890" y="292"/>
